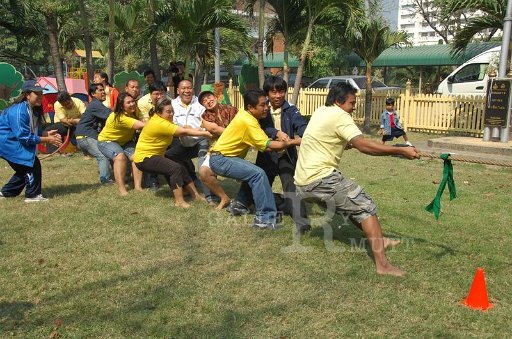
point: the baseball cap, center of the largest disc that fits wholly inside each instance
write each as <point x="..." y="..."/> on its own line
<point x="31" y="86"/>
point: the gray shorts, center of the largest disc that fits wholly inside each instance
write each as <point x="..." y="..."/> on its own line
<point x="342" y="196"/>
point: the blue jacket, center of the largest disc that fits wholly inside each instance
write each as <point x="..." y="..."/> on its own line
<point x="18" y="143"/>
<point x="386" y="124"/>
<point x="292" y="124"/>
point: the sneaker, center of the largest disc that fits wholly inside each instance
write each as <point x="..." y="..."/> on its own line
<point x="257" y="223"/>
<point x="37" y="198"/>
<point x="237" y="208"/>
<point x="408" y="143"/>
<point x="2" y="196"/>
<point x="107" y="182"/>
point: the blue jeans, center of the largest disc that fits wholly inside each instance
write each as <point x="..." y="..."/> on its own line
<point x="257" y="185"/>
<point x="90" y="145"/>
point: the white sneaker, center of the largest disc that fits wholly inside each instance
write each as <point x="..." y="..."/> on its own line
<point x="37" y="198"/>
<point x="2" y="196"/>
<point x="408" y="143"/>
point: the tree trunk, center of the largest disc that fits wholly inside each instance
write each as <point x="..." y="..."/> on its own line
<point x="153" y="53"/>
<point x="198" y="74"/>
<point x="368" y="99"/>
<point x="51" y="22"/>
<point x="87" y="41"/>
<point x="111" y="41"/>
<point x="261" y="33"/>
<point x="302" y="63"/>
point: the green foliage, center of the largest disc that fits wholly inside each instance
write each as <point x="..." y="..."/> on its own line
<point x="120" y="79"/>
<point x="192" y="20"/>
<point x="11" y="81"/>
<point x="3" y="104"/>
<point x="492" y="17"/>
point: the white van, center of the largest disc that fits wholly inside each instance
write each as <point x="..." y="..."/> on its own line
<point x="471" y="77"/>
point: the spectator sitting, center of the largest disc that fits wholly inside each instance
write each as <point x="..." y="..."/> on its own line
<point x="68" y="111"/>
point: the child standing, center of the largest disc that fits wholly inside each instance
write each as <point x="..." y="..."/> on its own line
<point x="390" y="126"/>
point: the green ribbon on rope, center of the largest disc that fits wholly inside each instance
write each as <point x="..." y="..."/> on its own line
<point x="435" y="205"/>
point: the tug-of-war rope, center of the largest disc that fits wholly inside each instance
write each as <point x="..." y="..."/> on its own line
<point x="60" y="148"/>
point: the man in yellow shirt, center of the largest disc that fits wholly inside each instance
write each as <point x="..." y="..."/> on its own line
<point x="68" y="111"/>
<point x="227" y="159"/>
<point x="148" y="102"/>
<point x="318" y="178"/>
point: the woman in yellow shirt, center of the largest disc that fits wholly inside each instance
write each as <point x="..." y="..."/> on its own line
<point x="153" y="141"/>
<point x="115" y="140"/>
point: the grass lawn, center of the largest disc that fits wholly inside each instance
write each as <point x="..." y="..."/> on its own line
<point x="92" y="264"/>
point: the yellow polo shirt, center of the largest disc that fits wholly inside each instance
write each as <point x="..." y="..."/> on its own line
<point x="323" y="142"/>
<point x="120" y="131"/>
<point x="242" y="133"/>
<point x="145" y="105"/>
<point x="154" y="138"/>
<point x="74" y="113"/>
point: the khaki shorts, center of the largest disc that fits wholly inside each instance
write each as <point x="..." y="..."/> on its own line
<point x="342" y="196"/>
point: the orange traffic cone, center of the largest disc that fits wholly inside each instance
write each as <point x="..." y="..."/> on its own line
<point x="477" y="298"/>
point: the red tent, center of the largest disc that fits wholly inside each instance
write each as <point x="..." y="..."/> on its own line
<point x="73" y="85"/>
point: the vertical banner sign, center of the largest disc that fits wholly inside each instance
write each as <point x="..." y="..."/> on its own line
<point x="497" y="102"/>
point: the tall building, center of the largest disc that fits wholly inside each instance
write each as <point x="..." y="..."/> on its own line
<point x="419" y="31"/>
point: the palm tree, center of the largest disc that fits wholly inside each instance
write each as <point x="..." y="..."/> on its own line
<point x="30" y="15"/>
<point x="316" y="12"/>
<point x="369" y="38"/>
<point x="288" y="22"/>
<point x="111" y="39"/>
<point x="492" y="19"/>
<point x="87" y="40"/>
<point x="153" y="53"/>
<point x="261" y="38"/>
<point x="261" y="35"/>
<point x="193" y="21"/>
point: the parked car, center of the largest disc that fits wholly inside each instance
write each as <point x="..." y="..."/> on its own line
<point x="471" y="77"/>
<point x="357" y="81"/>
<point x="304" y="81"/>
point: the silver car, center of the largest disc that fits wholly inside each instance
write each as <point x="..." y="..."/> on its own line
<point x="357" y="81"/>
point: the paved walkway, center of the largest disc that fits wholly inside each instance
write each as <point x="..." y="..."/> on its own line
<point x="471" y="148"/>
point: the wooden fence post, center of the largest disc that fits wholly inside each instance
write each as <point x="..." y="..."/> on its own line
<point x="405" y="106"/>
<point x="230" y="92"/>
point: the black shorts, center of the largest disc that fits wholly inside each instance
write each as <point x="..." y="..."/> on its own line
<point x="395" y="133"/>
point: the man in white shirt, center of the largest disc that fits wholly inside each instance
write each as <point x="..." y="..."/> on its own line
<point x="188" y="113"/>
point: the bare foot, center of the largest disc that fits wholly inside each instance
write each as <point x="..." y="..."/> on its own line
<point x="223" y="203"/>
<point x="123" y="193"/>
<point x="182" y="204"/>
<point x="390" y="242"/>
<point x="139" y="189"/>
<point x="199" y="197"/>
<point x="389" y="269"/>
